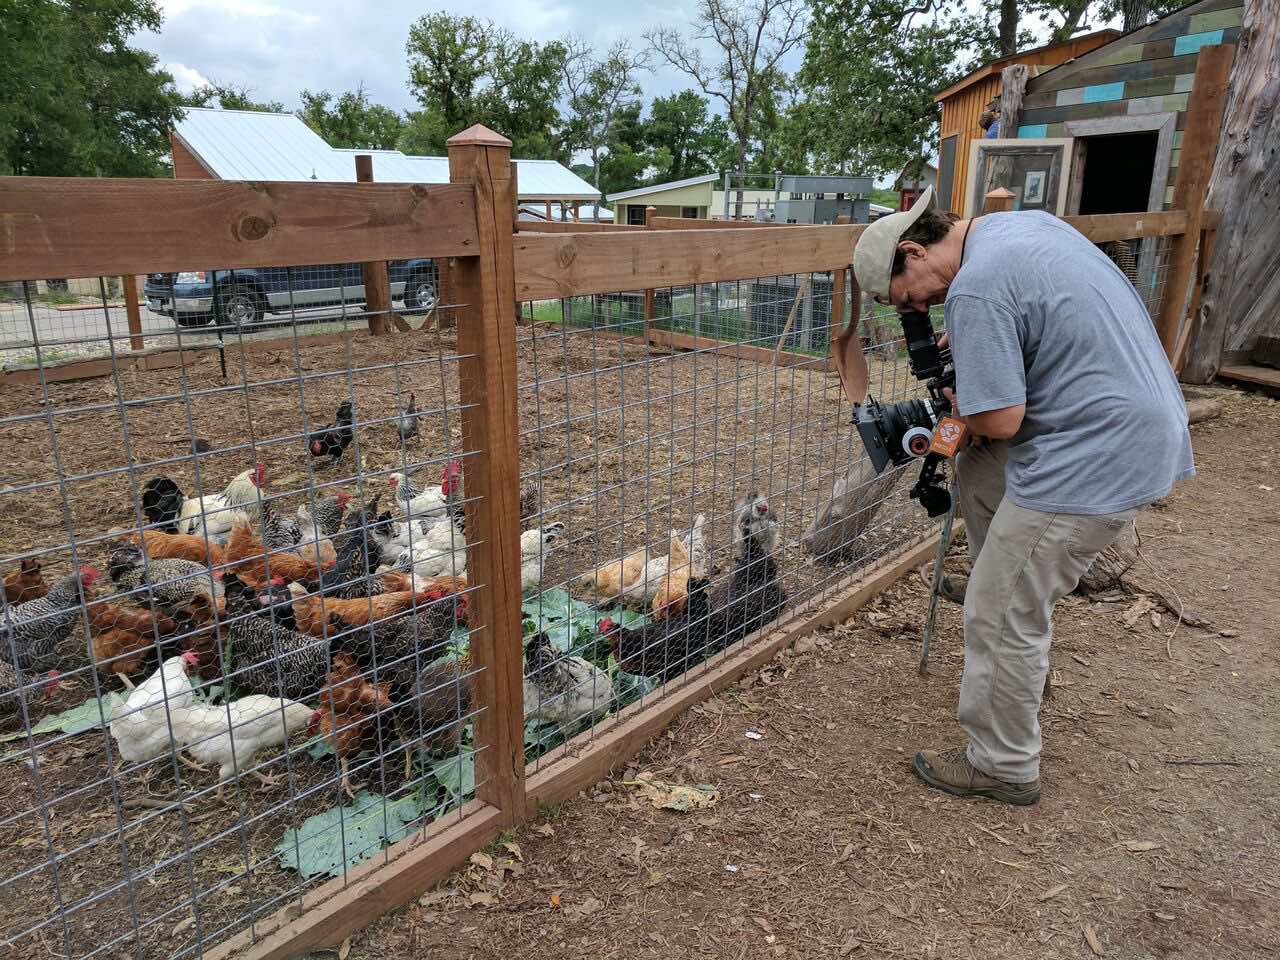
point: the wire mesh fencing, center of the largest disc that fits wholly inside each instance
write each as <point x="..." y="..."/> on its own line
<point x="235" y="650"/>
<point x="694" y="481"/>
<point x="48" y="322"/>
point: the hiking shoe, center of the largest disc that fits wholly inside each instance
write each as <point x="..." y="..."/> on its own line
<point x="952" y="586"/>
<point x="950" y="770"/>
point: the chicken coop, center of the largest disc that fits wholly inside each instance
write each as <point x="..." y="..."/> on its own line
<point x="293" y="627"/>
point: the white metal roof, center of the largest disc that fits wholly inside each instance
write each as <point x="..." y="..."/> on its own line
<point x="660" y="187"/>
<point x="248" y="145"/>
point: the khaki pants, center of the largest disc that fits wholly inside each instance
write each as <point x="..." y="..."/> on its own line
<point x="1024" y="561"/>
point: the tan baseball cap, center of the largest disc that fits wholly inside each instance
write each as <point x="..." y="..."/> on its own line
<point x="873" y="256"/>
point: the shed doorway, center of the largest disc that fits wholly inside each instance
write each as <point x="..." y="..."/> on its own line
<point x="1117" y="171"/>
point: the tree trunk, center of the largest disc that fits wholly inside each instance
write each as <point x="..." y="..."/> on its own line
<point x="1241" y="297"/>
<point x="1135" y="13"/>
<point x="1008" y="28"/>
<point x="742" y="173"/>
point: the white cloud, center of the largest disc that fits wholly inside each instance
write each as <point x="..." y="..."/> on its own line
<point x="186" y="78"/>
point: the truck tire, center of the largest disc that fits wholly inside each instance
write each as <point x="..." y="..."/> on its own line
<point x="239" y="305"/>
<point x="420" y="292"/>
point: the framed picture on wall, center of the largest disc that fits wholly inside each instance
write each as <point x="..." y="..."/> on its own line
<point x="1035" y="170"/>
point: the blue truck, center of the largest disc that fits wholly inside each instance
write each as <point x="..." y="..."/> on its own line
<point x="246" y="296"/>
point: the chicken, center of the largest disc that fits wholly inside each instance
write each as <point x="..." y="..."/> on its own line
<point x="31" y="632"/>
<point x="314" y="613"/>
<point x="142" y="725"/>
<point x="315" y="529"/>
<point x="231" y="733"/>
<point x="674" y="588"/>
<point x="212" y="516"/>
<point x="407" y="421"/>
<point x="535" y="545"/>
<point x="332" y="441"/>
<point x="559" y="688"/>
<point x="665" y="648"/>
<point x="13" y="693"/>
<point x="636" y="578"/>
<point x="452" y="488"/>
<point x="273" y="603"/>
<point x="122" y="637"/>
<point x="174" y="584"/>
<point x="432" y="709"/>
<point x="428" y="548"/>
<point x="350" y="715"/>
<point x="278" y="532"/>
<point x="358" y="556"/>
<point x="417" y="502"/>
<point x="754" y="596"/>
<point x="25" y="583"/>
<point x="270" y="659"/>
<point x="177" y="546"/>
<point x="394" y="646"/>
<point x="246" y="556"/>
<point x="162" y="501"/>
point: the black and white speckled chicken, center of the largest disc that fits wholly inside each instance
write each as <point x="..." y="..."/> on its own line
<point x="273" y="660"/>
<point x="358" y="556"/>
<point x="278" y="531"/>
<point x="561" y="688"/>
<point x="173" y="584"/>
<point x="31" y="632"/>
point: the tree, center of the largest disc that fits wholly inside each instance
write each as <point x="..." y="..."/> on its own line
<point x="685" y="141"/>
<point x="352" y="121"/>
<point x="230" y="96"/>
<point x="75" y="98"/>
<point x="869" y="76"/>
<point x="598" y="91"/>
<point x="752" y="38"/>
<point x="465" y="70"/>
<point x="629" y="156"/>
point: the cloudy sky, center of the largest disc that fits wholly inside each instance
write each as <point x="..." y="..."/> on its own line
<point x="278" y="47"/>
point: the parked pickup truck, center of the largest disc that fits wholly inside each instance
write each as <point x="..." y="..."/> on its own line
<point x="239" y="297"/>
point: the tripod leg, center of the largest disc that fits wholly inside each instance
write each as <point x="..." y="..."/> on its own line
<point x="944" y="542"/>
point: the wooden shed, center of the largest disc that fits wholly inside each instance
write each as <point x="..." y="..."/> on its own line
<point x="962" y="105"/>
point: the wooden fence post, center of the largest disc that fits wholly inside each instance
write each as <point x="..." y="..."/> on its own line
<point x="999" y="200"/>
<point x="1199" y="147"/>
<point x="838" y="293"/>
<point x="377" y="285"/>
<point x="132" y="309"/>
<point x="649" y="214"/>
<point x="485" y="288"/>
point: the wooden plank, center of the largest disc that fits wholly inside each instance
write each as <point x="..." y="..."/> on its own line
<point x="377" y="285"/>
<point x="583" y="226"/>
<point x="1103" y="227"/>
<point x="1204" y="260"/>
<point x="490" y="427"/>
<point x="1138" y="70"/>
<point x="88" y="227"/>
<point x="650" y="215"/>
<point x="553" y="267"/>
<point x="1251" y="374"/>
<point x="683" y="223"/>
<point x="784" y="358"/>
<point x="575" y="765"/>
<point x="330" y="913"/>
<point x="132" y="309"/>
<point x="1076" y="111"/>
<point x="1199" y="149"/>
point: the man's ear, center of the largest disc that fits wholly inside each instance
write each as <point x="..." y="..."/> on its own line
<point x="911" y="250"/>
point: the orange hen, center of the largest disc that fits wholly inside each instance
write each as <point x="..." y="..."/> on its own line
<point x="158" y="545"/>
<point x="123" y="636"/>
<point x="253" y="563"/>
<point x="25" y="583"/>
<point x="314" y="613"/>
<point x="348" y="711"/>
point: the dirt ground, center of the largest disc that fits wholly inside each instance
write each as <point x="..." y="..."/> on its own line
<point x="622" y="446"/>
<point x="1156" y="836"/>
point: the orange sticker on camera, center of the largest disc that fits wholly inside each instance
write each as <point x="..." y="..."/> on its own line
<point x="949" y="437"/>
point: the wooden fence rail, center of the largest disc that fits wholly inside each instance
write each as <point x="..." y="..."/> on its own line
<point x="57" y="227"/>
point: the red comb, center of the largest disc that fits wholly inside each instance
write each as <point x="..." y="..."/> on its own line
<point x="277" y="581"/>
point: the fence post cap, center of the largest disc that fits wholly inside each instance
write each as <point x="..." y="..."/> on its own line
<point x="477" y="135"/>
<point x="1001" y="193"/>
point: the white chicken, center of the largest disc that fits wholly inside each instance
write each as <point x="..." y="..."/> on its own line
<point x="141" y="725"/>
<point x="559" y="688"/>
<point x="214" y="515"/>
<point x="417" y="502"/>
<point x="535" y="544"/>
<point x="451" y="561"/>
<point x="430" y="548"/>
<point x="256" y="723"/>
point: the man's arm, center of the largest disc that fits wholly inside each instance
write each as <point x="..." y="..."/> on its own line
<point x="999" y="424"/>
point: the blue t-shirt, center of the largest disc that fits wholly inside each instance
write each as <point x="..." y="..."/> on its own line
<point x="993" y="131"/>
<point x="1038" y="315"/>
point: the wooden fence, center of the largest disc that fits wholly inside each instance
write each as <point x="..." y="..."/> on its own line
<point x="66" y="227"/>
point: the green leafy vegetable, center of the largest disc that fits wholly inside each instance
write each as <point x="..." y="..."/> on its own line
<point x="457" y="775"/>
<point x="342" y="837"/>
<point x="630" y="687"/>
<point x="88" y="716"/>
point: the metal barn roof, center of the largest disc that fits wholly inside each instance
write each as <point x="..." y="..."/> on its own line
<point x="662" y="187"/>
<point x="248" y="145"/>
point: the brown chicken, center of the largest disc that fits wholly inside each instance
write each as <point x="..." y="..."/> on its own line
<point x="177" y="546"/>
<point x="122" y="637"/>
<point x="314" y="613"/>
<point x="254" y="564"/>
<point x="635" y="579"/>
<point x="25" y="583"/>
<point x="348" y="714"/>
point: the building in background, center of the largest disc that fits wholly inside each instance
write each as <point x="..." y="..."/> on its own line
<point x="914" y="179"/>
<point x="690" y="199"/>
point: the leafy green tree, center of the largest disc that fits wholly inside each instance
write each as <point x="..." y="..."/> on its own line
<point x="623" y="167"/>
<point x="686" y="141"/>
<point x="75" y="98"/>
<point x="350" y="120"/>
<point x="230" y="96"/>
<point x="465" y="70"/>
<point x="750" y="39"/>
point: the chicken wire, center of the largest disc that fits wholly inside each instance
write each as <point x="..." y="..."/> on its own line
<point x="113" y="849"/>
<point x="48" y="322"/>
<point x="630" y="445"/>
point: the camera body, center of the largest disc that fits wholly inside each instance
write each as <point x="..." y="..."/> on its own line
<point x="898" y="433"/>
